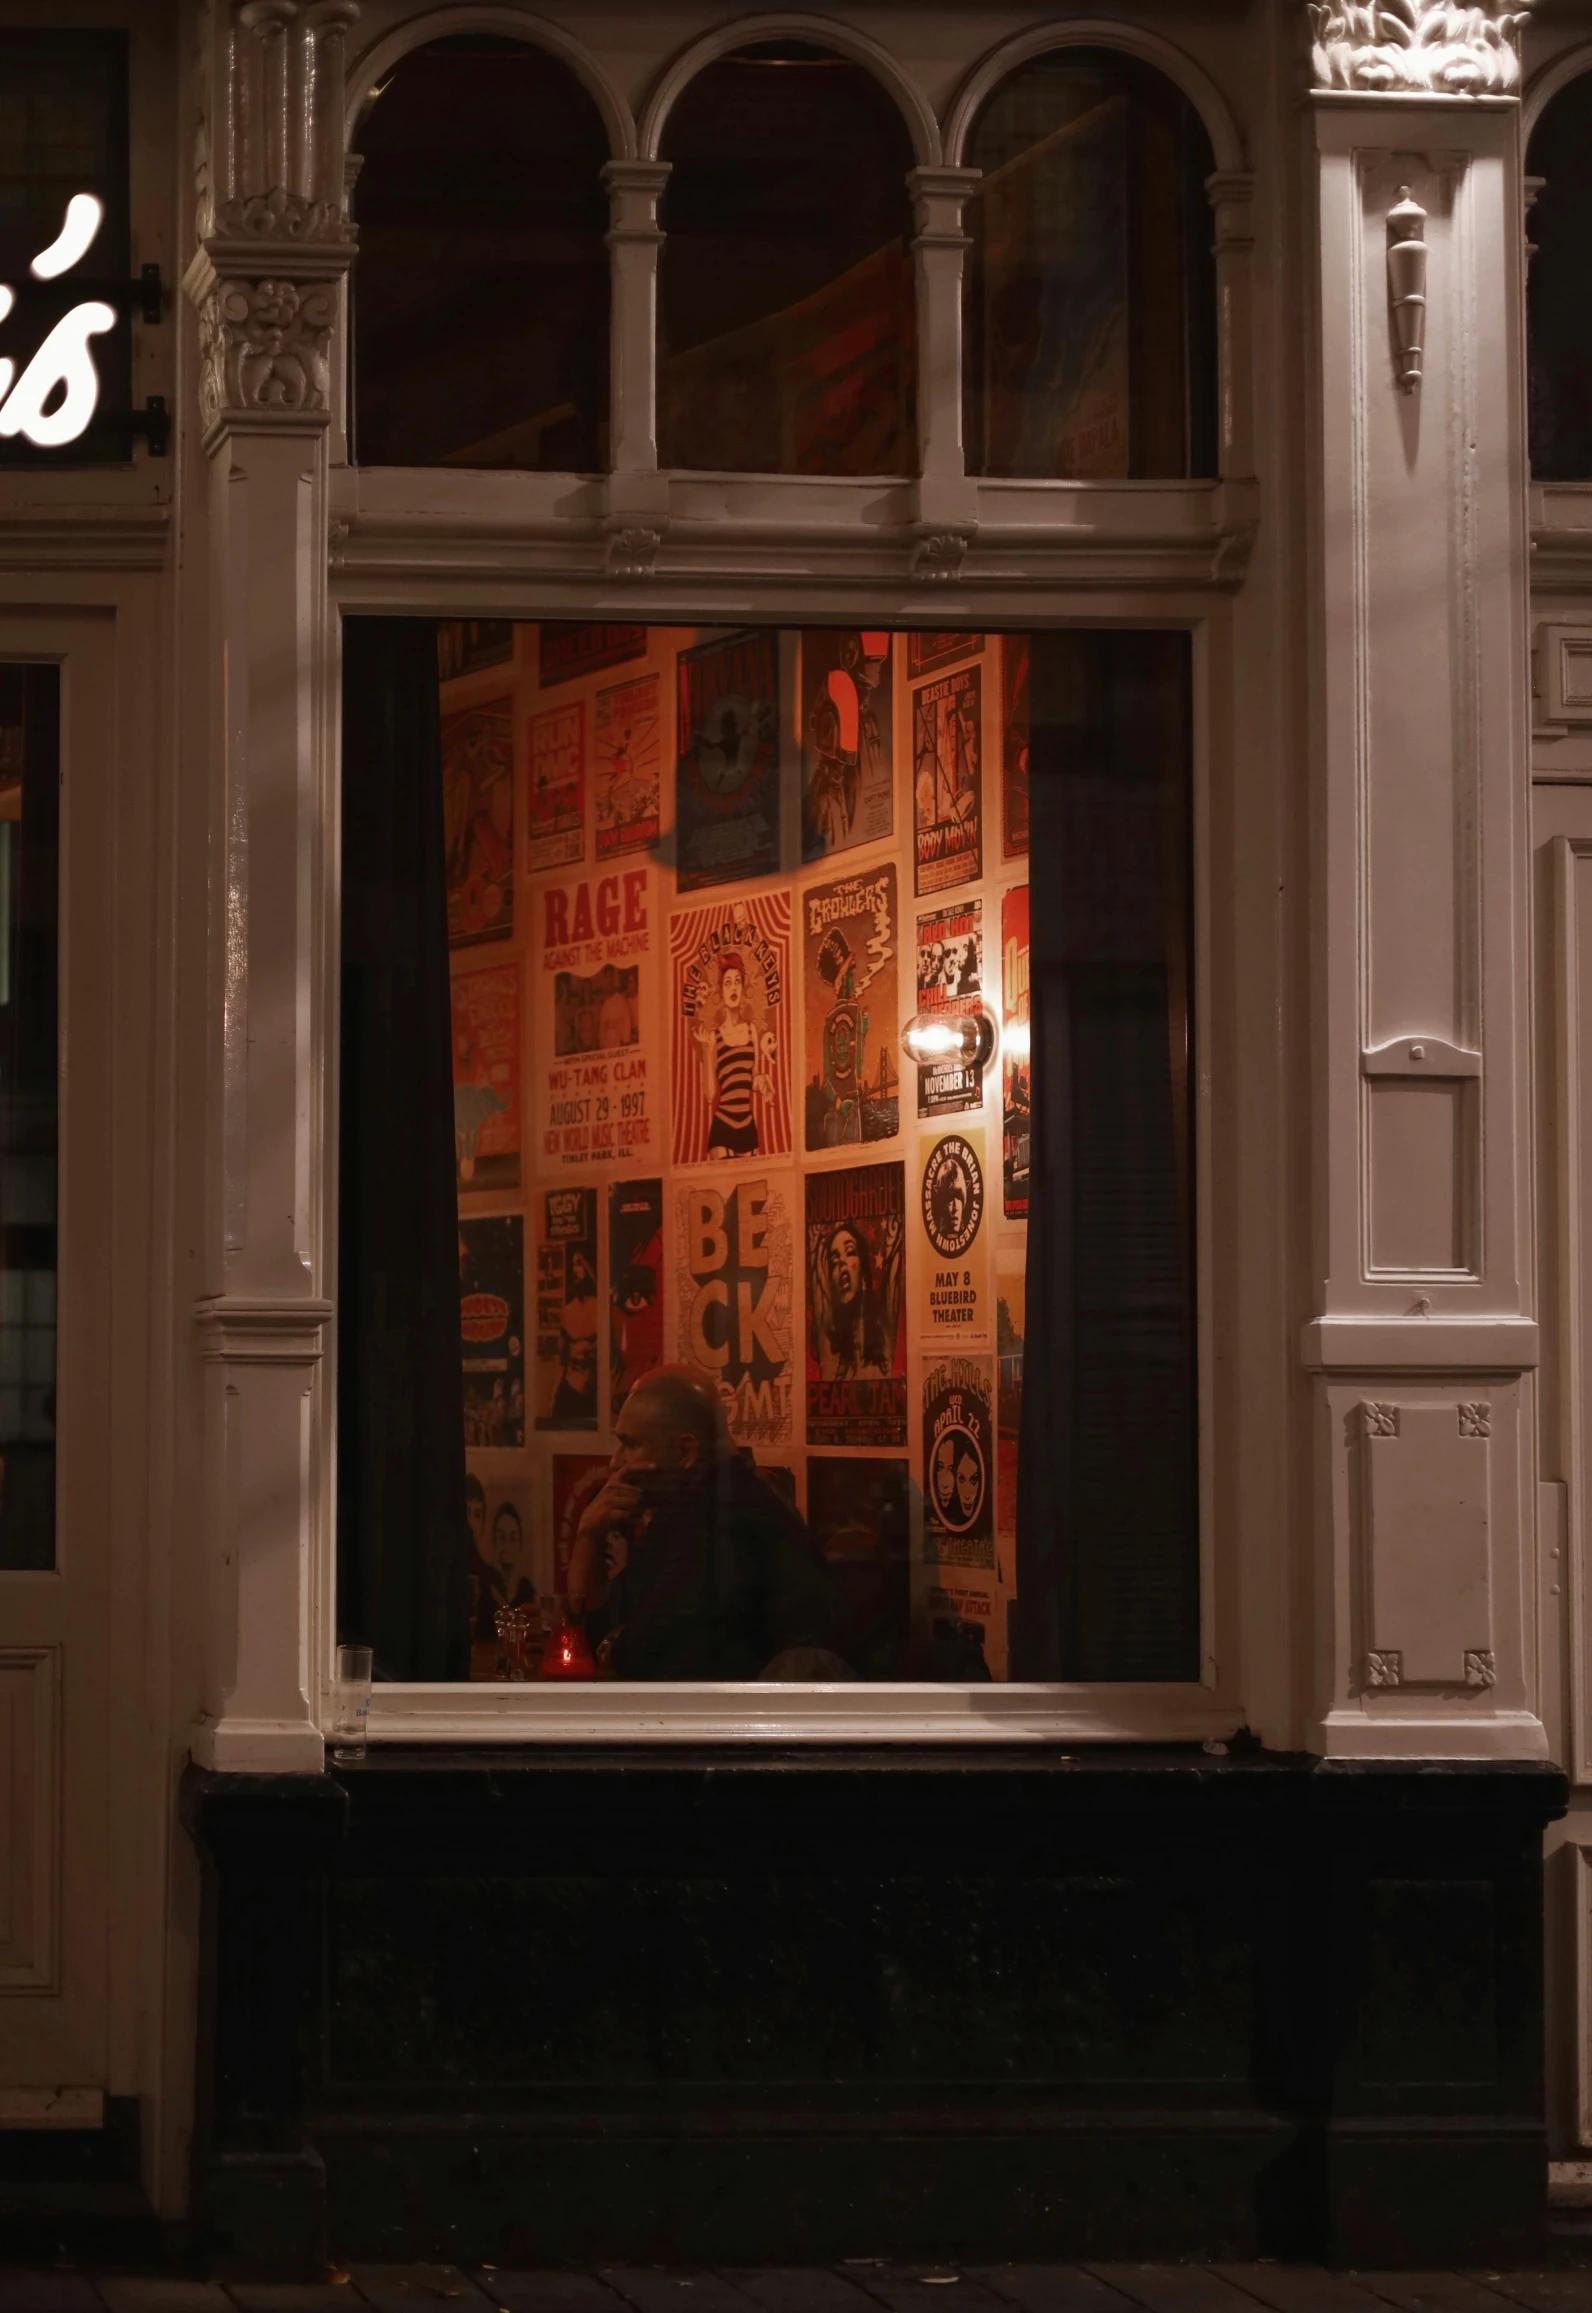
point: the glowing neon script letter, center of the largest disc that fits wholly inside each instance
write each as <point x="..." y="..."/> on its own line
<point x="63" y="359"/>
<point x="84" y="216"/>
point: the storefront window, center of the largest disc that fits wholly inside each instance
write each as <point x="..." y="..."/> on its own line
<point x="766" y="1205"/>
<point x="480" y="300"/>
<point x="1091" y="298"/>
<point x="786" y="321"/>
<point x="1558" y="308"/>
<point x="29" y="878"/>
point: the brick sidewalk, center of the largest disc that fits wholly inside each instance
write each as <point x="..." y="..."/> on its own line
<point x="873" y="2285"/>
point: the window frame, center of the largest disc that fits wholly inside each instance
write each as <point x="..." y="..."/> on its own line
<point x="773" y="550"/>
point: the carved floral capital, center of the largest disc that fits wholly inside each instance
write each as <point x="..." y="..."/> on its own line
<point x="265" y="347"/>
<point x="1419" y="47"/>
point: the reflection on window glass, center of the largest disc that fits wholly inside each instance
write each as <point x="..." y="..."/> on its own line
<point x="480" y="300"/>
<point x="1558" y="307"/>
<point x="1091" y="295"/>
<point x="790" y="1276"/>
<point x="786" y="317"/>
<point x="63" y="130"/>
<point x="29" y="750"/>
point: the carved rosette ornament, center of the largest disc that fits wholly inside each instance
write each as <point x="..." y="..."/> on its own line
<point x="1417" y="47"/>
<point x="275" y="239"/>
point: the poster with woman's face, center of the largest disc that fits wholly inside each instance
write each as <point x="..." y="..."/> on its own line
<point x="856" y="1330"/>
<point x="730" y="1063"/>
<point x="958" y="1470"/>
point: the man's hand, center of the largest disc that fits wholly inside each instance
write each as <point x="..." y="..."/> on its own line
<point x="602" y="1540"/>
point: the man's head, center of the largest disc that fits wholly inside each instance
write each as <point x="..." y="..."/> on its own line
<point x="508" y="1541"/>
<point x="672" y="1424"/>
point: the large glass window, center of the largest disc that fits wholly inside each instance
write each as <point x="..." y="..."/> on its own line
<point x="786" y="323"/>
<point x="1558" y="304"/>
<point x="766" y="1204"/>
<point x="30" y="722"/>
<point x="1091" y="294"/>
<point x="480" y="299"/>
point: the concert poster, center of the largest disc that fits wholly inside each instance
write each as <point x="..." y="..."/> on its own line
<point x="467" y="646"/>
<point x="730" y="1066"/>
<point x="1016" y="1062"/>
<point x="486" y="1077"/>
<point x="555" y="834"/>
<point x="635" y="1286"/>
<point x="1015" y="662"/>
<point x="947" y="781"/>
<point x="733" y="1251"/>
<point x="628" y="768"/>
<point x="928" y="652"/>
<point x="727" y="767"/>
<point x="492" y="1329"/>
<point x="950" y="978"/>
<point x="598" y="1083"/>
<point x="577" y="1480"/>
<point x="856" y="1324"/>
<point x="958" y="1468"/>
<point x="965" y="1611"/>
<point x="569" y="648"/>
<point x="851" y="932"/>
<point x="859" y="1514"/>
<point x="848" y="766"/>
<point x="566" y="1309"/>
<point x="1011" y="1323"/>
<point x="502" y="1556"/>
<point x="951" y="1210"/>
<point x="478" y="822"/>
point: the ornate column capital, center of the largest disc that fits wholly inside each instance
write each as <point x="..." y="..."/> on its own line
<point x="1416" y="47"/>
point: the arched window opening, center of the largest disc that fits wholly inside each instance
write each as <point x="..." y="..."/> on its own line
<point x="480" y="296"/>
<point x="1091" y="285"/>
<point x="1559" y="288"/>
<point x="786" y="322"/>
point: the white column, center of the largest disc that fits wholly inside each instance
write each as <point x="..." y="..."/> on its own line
<point x="266" y="283"/>
<point x="1422" y="1342"/>
<point x="946" y="499"/>
<point x="638" y="495"/>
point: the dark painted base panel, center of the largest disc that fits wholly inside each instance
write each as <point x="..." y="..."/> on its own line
<point x="721" y="2008"/>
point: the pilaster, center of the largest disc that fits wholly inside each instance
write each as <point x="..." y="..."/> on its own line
<point x="638" y="495"/>
<point x="946" y="499"/>
<point x="1421" y="1344"/>
<point x="274" y="245"/>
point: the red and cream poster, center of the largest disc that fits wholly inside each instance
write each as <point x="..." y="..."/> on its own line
<point x="556" y="809"/>
<point x="1016" y="1106"/>
<point x="733" y="1251"/>
<point x="856" y="1324"/>
<point x="629" y="768"/>
<point x="731" y="1059"/>
<point x="599" y="1089"/>
<point x="486" y="1077"/>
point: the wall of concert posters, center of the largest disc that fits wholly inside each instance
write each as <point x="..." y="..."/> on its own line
<point x="699" y="880"/>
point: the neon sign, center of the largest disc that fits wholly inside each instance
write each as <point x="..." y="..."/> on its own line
<point x="62" y="366"/>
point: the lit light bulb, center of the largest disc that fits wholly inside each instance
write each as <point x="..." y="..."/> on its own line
<point x="84" y="216"/>
<point x="932" y="1038"/>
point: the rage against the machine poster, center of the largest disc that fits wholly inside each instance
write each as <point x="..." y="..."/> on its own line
<point x="598" y="1085"/>
<point x="856" y="1329"/>
<point x="733" y="1251"/>
<point x="730" y="1021"/>
<point x="727" y="772"/>
<point x="850" y="935"/>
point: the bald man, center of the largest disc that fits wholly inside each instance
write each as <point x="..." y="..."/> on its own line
<point x="687" y="1565"/>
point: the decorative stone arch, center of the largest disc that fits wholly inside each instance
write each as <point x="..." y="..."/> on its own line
<point x="1172" y="63"/>
<point x="512" y="24"/>
<point x="1550" y="82"/>
<point x="822" y="32"/>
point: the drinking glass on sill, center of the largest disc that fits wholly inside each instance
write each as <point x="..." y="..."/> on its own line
<point x="351" y="1704"/>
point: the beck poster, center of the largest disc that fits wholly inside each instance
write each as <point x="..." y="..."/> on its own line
<point x="629" y="768"/>
<point x="478" y="822"/>
<point x="566" y="1309"/>
<point x="951" y="1211"/>
<point x="950" y="978"/>
<point x="635" y="1285"/>
<point x="856" y="1325"/>
<point x="958" y="1468"/>
<point x="555" y="814"/>
<point x="733" y="1248"/>
<point x="486" y="1077"/>
<point x="730" y="1064"/>
<point x="492" y="1329"/>
<point x="598" y="1084"/>
<point x="727" y="770"/>
<point x="847" y="764"/>
<point x="850" y="936"/>
<point x="1016" y="1063"/>
<point x="947" y="781"/>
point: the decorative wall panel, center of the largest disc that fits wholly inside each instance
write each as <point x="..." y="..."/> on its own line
<point x="29" y="1819"/>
